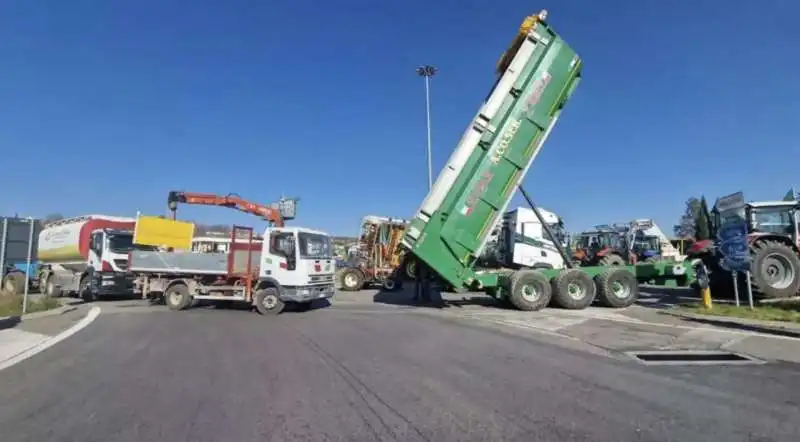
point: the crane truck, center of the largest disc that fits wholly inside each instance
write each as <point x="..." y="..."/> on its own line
<point x="536" y="77"/>
<point x="293" y="265"/>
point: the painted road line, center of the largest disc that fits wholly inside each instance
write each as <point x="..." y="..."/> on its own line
<point x="43" y="345"/>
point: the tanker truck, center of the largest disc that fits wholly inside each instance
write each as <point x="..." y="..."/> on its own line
<point x="86" y="256"/>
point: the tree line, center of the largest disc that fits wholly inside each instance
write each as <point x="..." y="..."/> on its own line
<point x="696" y="222"/>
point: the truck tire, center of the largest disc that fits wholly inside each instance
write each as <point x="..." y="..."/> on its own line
<point x="409" y="270"/>
<point x="611" y="260"/>
<point x="268" y="301"/>
<point x="390" y="285"/>
<point x="85" y="290"/>
<point x="617" y="288"/>
<point x="775" y="269"/>
<point x="177" y="297"/>
<point x="573" y="289"/>
<point x="14" y="283"/>
<point x="529" y="290"/>
<point x="352" y="280"/>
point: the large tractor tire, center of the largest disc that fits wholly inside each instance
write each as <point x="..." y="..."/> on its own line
<point x="529" y="290"/>
<point x="352" y="280"/>
<point x="617" y="288"/>
<point x="775" y="269"/>
<point x="573" y="289"/>
<point x="611" y="260"/>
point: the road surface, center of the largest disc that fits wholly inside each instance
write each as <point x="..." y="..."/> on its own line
<point x="364" y="373"/>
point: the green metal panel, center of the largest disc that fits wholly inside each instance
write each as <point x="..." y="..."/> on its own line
<point x="454" y="235"/>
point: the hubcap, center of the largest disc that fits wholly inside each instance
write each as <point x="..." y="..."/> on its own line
<point x="620" y="290"/>
<point x="389" y="284"/>
<point x="575" y="291"/>
<point x="269" y="302"/>
<point x="779" y="271"/>
<point x="350" y="280"/>
<point x="529" y="293"/>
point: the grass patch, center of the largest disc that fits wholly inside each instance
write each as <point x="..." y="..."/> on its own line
<point x="11" y="305"/>
<point x="784" y="312"/>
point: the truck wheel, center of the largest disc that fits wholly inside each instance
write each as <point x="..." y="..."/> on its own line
<point x="573" y="289"/>
<point x="530" y="290"/>
<point x="85" y="292"/>
<point x="617" y="288"/>
<point x="390" y="285"/>
<point x="177" y="297"/>
<point x="775" y="269"/>
<point x="268" y="301"/>
<point x="410" y="269"/>
<point x="352" y="280"/>
<point x="611" y="260"/>
<point x="14" y="283"/>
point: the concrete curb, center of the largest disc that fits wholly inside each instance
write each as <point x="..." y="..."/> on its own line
<point x="67" y="305"/>
<point x="738" y="323"/>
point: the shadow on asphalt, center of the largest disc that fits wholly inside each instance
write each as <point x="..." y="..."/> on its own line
<point x="405" y="297"/>
<point x="318" y="304"/>
<point x="9" y="322"/>
<point x="720" y="322"/>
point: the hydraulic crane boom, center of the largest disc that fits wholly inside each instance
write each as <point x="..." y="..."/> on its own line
<point x="276" y="214"/>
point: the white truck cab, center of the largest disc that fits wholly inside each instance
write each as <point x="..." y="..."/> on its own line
<point x="300" y="261"/>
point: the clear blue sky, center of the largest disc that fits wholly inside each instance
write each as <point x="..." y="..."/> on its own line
<point x="106" y="105"/>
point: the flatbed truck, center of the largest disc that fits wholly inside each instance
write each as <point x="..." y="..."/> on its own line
<point x="536" y="77"/>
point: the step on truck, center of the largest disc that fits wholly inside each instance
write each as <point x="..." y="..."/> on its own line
<point x="536" y="77"/>
<point x="294" y="266"/>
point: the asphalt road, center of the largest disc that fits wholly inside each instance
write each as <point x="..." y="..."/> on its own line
<point x="362" y="374"/>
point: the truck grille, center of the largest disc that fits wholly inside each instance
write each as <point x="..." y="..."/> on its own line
<point x="321" y="278"/>
<point x="122" y="264"/>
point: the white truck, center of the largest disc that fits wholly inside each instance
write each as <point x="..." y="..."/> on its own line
<point x="86" y="256"/>
<point x="519" y="240"/>
<point x="292" y="265"/>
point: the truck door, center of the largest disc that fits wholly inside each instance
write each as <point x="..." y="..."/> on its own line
<point x="280" y="258"/>
<point x="96" y="251"/>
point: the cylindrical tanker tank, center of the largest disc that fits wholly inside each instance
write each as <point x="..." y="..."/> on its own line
<point x="67" y="241"/>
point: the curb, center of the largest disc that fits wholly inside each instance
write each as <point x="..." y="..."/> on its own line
<point x="730" y="322"/>
<point x="67" y="305"/>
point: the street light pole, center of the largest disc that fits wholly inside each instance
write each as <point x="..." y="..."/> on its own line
<point x="428" y="71"/>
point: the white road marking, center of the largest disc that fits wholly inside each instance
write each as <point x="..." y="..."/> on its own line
<point x="46" y="343"/>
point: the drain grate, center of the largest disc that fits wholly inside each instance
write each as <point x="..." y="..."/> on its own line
<point x="692" y="357"/>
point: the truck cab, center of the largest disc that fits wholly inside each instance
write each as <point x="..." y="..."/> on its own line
<point x="300" y="261"/>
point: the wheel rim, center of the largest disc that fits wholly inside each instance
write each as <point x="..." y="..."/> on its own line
<point x="350" y="280"/>
<point x="174" y="298"/>
<point x="411" y="269"/>
<point x="269" y="302"/>
<point x="779" y="271"/>
<point x="576" y="291"/>
<point x="389" y="284"/>
<point x="529" y="293"/>
<point x="620" y="290"/>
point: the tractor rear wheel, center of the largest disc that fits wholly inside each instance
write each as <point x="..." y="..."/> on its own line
<point x="775" y="269"/>
<point x="611" y="260"/>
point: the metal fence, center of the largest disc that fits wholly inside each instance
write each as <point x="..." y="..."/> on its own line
<point x="18" y="260"/>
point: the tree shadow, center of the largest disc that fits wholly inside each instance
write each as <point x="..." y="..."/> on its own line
<point x="438" y="299"/>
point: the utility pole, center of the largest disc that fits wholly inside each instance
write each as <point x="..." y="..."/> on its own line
<point x="427" y="71"/>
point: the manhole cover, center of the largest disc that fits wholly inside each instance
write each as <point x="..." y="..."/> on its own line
<point x="692" y="357"/>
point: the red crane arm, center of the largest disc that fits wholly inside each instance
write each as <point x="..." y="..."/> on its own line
<point x="230" y="201"/>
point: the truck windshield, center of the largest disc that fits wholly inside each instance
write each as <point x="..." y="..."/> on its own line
<point x="124" y="244"/>
<point x="314" y="246"/>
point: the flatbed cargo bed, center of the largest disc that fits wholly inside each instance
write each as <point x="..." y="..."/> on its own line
<point x="188" y="263"/>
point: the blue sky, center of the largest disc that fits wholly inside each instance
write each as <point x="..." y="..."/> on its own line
<point x="107" y="105"/>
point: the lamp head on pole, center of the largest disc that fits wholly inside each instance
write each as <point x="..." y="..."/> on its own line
<point x="427" y="70"/>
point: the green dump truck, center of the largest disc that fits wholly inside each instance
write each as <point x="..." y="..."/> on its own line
<point x="536" y="77"/>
